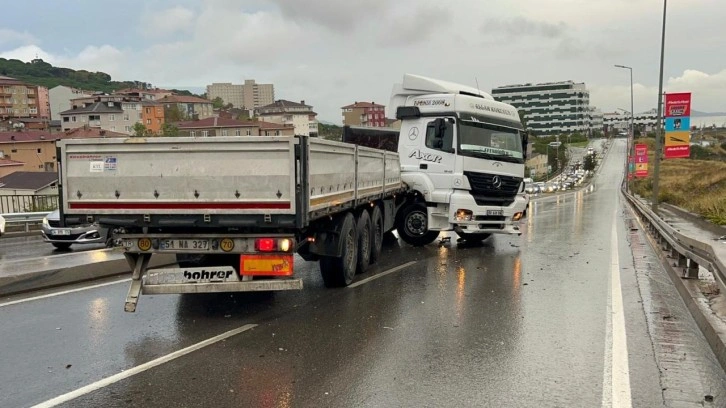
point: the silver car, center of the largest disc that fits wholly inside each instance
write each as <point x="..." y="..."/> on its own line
<point x="64" y="237"/>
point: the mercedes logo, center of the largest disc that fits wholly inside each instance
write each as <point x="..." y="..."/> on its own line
<point x="496" y="182"/>
<point x="413" y="133"/>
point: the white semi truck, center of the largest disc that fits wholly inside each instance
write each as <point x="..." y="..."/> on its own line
<point x="234" y="210"/>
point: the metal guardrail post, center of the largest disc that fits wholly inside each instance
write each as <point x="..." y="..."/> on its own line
<point x="692" y="271"/>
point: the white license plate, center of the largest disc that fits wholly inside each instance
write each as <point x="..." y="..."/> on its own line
<point x="495" y="212"/>
<point x="192" y="244"/>
<point x="60" y="232"/>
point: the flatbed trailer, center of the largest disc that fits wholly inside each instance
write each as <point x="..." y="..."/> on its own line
<point x="233" y="209"/>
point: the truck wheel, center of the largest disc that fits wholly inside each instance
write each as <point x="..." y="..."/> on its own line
<point x="474" y="236"/>
<point x="339" y="271"/>
<point x="364" y="241"/>
<point x="376" y="234"/>
<point x="412" y="226"/>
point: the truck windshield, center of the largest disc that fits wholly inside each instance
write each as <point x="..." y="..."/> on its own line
<point x="480" y="139"/>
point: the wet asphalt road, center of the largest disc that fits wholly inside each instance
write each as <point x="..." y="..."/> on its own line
<point x="17" y="248"/>
<point x="514" y="322"/>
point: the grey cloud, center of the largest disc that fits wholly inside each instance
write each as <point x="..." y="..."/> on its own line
<point x="521" y="27"/>
<point x="340" y="15"/>
<point x="406" y="28"/>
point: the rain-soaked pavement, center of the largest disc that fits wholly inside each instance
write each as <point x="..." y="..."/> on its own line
<point x="524" y="321"/>
<point x="33" y="246"/>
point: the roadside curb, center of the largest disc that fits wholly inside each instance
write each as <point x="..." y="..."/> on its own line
<point x="53" y="276"/>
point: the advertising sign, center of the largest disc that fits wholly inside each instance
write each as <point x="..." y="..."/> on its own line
<point x="641" y="160"/>
<point x="677" y="125"/>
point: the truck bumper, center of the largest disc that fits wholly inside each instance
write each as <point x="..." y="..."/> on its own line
<point x="217" y="287"/>
<point x="486" y="219"/>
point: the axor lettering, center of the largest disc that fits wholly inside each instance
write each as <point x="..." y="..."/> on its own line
<point x="429" y="157"/>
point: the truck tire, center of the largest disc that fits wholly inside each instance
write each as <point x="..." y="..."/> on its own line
<point x="412" y="226"/>
<point x="376" y="234"/>
<point x="474" y="236"/>
<point x="363" y="226"/>
<point x="339" y="271"/>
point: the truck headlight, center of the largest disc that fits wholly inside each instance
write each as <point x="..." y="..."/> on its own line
<point x="463" y="215"/>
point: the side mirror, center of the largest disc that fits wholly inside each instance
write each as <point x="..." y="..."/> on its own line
<point x="525" y="141"/>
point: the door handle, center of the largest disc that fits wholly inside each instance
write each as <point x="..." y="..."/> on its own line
<point x="423" y="166"/>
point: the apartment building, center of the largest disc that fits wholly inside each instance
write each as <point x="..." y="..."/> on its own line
<point x="145" y="94"/>
<point x="364" y="114"/>
<point x="60" y="99"/>
<point x="249" y="95"/>
<point x="299" y="115"/>
<point x="550" y="108"/>
<point x="596" y="119"/>
<point x="116" y="113"/>
<point x="619" y="121"/>
<point x="18" y="99"/>
<point x="152" y="116"/>
<point x="190" y="107"/>
<point x="231" y="127"/>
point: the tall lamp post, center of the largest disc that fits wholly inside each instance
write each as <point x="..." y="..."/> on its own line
<point x="631" y="134"/>
<point x="656" y="164"/>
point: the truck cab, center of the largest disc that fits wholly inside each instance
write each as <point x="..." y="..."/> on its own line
<point x="462" y="156"/>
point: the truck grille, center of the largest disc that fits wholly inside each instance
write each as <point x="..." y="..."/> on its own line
<point x="486" y="191"/>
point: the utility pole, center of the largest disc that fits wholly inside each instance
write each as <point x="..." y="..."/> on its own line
<point x="659" y="131"/>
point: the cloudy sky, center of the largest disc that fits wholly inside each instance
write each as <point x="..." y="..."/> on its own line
<point x="334" y="52"/>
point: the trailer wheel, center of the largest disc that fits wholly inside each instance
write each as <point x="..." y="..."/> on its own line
<point x="412" y="226"/>
<point x="339" y="271"/>
<point x="474" y="236"/>
<point x="376" y="234"/>
<point x="364" y="228"/>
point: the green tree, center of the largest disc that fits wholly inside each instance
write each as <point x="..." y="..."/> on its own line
<point x="174" y="114"/>
<point x="167" y="129"/>
<point x="217" y="102"/>
<point x="140" y="130"/>
<point x="589" y="163"/>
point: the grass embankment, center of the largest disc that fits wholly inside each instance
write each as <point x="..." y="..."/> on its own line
<point x="698" y="186"/>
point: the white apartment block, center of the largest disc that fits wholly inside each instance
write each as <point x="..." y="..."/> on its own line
<point x="60" y="99"/>
<point x="115" y="116"/>
<point x="620" y="121"/>
<point x="283" y="112"/>
<point x="249" y="95"/>
<point x="550" y="108"/>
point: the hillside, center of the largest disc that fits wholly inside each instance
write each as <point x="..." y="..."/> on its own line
<point x="39" y="72"/>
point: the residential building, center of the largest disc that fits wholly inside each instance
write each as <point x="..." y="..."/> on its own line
<point x="596" y="119"/>
<point x="145" y="94"/>
<point x="231" y="127"/>
<point x="189" y="107"/>
<point x="8" y="166"/>
<point x="364" y="114"/>
<point x="549" y="108"/>
<point x="43" y="103"/>
<point x="60" y="99"/>
<point x="30" y="191"/>
<point x="35" y="150"/>
<point x="250" y="95"/>
<point x="299" y="115"/>
<point x="152" y="116"/>
<point x="619" y="121"/>
<point x="537" y="165"/>
<point x="18" y="99"/>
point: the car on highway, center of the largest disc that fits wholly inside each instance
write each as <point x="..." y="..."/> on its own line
<point x="64" y="237"/>
<point x="2" y="225"/>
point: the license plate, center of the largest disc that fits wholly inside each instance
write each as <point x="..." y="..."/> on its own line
<point x="191" y="275"/>
<point x="495" y="212"/>
<point x="267" y="265"/>
<point x="60" y="232"/>
<point x="187" y="244"/>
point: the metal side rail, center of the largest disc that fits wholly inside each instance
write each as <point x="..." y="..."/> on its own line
<point x="689" y="253"/>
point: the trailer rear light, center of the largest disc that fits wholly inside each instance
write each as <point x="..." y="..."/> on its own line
<point x="272" y="245"/>
<point x="265" y="245"/>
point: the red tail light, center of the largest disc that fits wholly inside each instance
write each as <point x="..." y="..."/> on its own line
<point x="265" y="245"/>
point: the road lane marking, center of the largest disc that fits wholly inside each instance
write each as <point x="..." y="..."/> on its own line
<point x="616" y="381"/>
<point x="141" y="368"/>
<point x="382" y="274"/>
<point x="65" y="292"/>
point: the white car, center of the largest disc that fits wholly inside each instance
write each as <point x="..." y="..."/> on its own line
<point x="2" y="225"/>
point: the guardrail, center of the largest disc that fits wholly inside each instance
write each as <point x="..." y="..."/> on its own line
<point x="23" y="219"/>
<point x="13" y="204"/>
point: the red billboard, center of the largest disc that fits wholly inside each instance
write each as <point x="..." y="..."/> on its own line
<point x="678" y="104"/>
<point x="641" y="160"/>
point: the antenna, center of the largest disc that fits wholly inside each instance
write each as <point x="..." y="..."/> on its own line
<point x="477" y="86"/>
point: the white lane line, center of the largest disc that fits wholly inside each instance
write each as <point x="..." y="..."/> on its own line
<point x="618" y="344"/>
<point x="65" y="292"/>
<point x="382" y="274"/>
<point x="140" y="368"/>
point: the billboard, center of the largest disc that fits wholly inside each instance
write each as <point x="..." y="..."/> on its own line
<point x="677" y="125"/>
<point x="641" y="160"/>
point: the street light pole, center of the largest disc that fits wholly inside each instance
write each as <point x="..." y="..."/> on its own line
<point x="631" y="134"/>
<point x="656" y="161"/>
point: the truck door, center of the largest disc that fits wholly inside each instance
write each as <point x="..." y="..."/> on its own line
<point x="437" y="156"/>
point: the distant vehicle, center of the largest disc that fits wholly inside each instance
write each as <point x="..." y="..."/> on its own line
<point x="2" y="225"/>
<point x="64" y="237"/>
